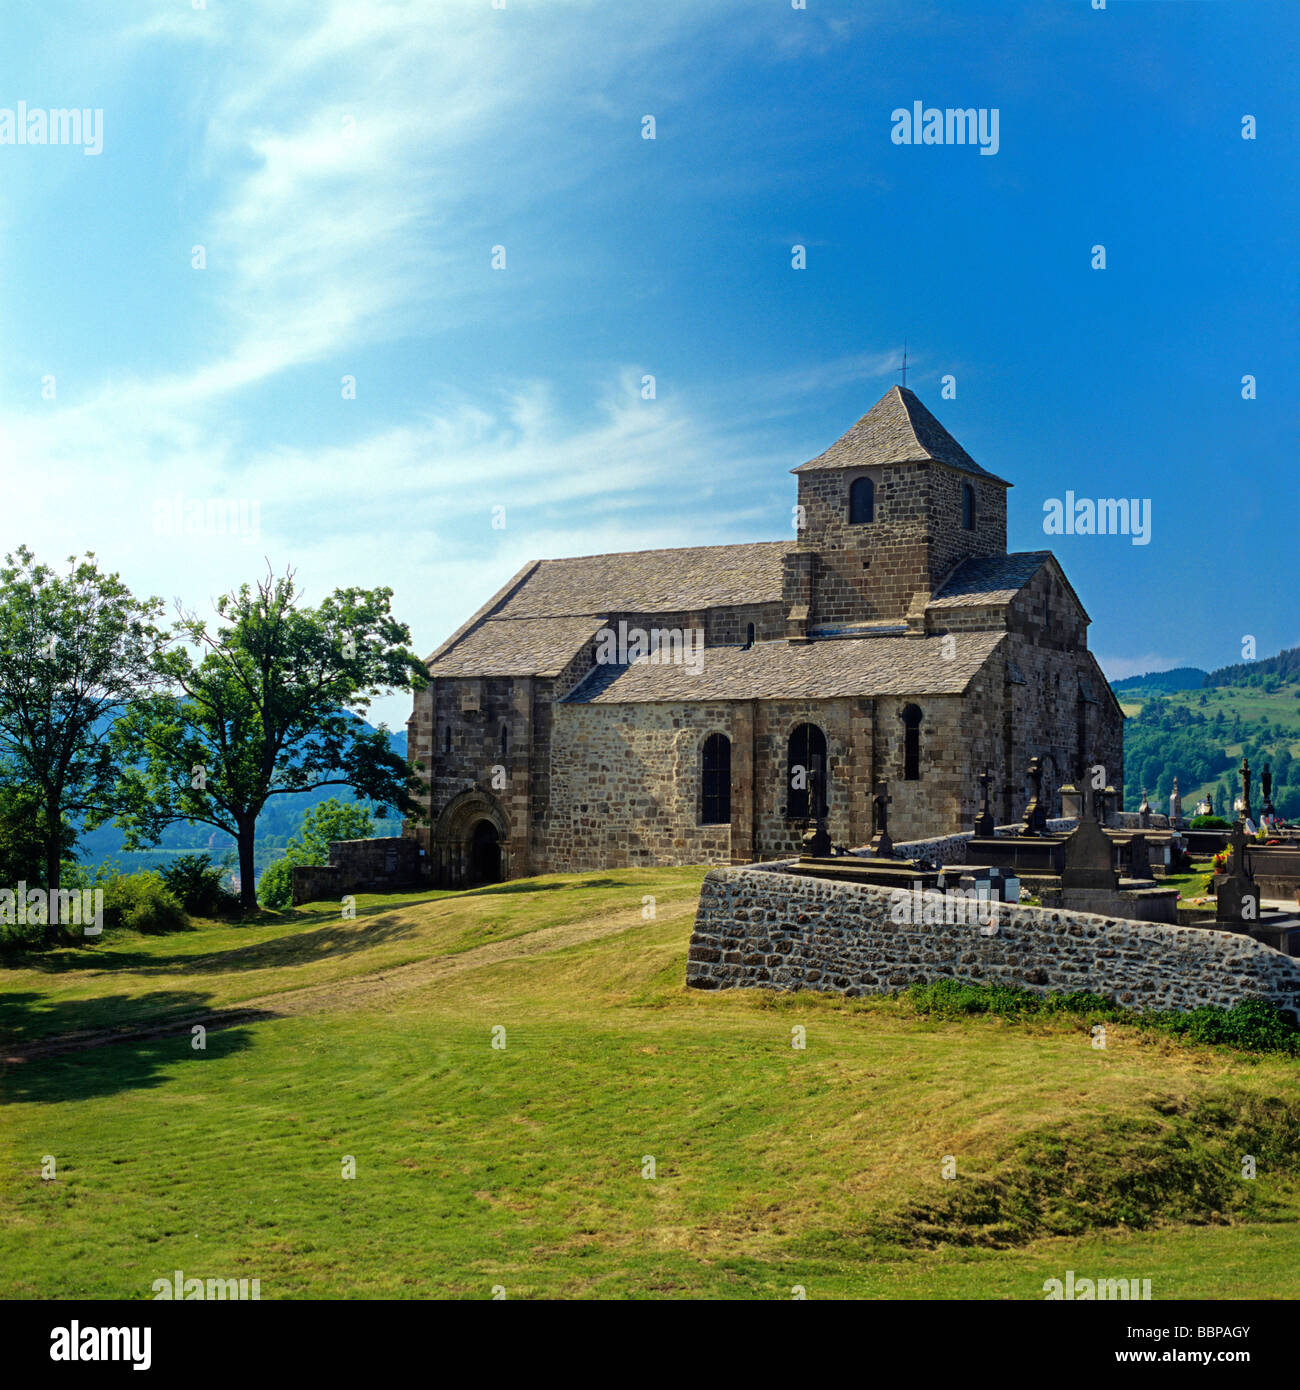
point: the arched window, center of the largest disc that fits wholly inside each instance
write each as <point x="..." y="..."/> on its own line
<point x="749" y="636"/>
<point x="715" y="780"/>
<point x="505" y="741"/>
<point x="862" y="501"/>
<point x="805" y="768"/>
<point x="967" y="507"/>
<point x="911" y="743"/>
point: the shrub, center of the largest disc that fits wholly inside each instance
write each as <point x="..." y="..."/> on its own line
<point x="1209" y="823"/>
<point x="141" y="902"/>
<point x="196" y="883"/>
<point x="1252" y="1025"/>
<point x="275" y="887"/>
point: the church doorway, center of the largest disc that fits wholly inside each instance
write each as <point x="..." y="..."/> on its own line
<point x="485" y="854"/>
<point x="471" y="841"/>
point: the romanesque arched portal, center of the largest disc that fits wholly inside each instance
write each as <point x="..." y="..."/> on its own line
<point x="471" y="841"/>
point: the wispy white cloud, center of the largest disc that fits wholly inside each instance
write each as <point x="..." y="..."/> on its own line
<point x="346" y="163"/>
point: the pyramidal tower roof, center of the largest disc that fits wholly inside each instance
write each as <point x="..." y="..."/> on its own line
<point x="897" y="429"/>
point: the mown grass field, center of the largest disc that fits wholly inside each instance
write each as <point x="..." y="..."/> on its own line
<point x="522" y="1167"/>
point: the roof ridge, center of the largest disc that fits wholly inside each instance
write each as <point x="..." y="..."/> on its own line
<point x="663" y="550"/>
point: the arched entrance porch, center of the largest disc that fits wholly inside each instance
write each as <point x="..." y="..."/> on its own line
<point x="470" y="841"/>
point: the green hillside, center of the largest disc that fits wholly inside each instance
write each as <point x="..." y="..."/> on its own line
<point x="525" y="1168"/>
<point x="1200" y="735"/>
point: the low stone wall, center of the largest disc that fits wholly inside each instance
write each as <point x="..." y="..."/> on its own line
<point x="315" y="883"/>
<point x="947" y="849"/>
<point x="757" y="928"/>
<point x="951" y="849"/>
<point x="1131" y="820"/>
<point x="386" y="864"/>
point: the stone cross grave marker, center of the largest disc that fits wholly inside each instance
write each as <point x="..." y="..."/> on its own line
<point x="1088" y="854"/>
<point x="1035" y="812"/>
<point x="1237" y="904"/>
<point x="984" y="821"/>
<point x="882" y="844"/>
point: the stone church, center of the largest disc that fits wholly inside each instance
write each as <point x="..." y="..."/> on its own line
<point x="668" y="706"/>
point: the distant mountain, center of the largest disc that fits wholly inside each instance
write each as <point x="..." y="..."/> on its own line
<point x="1181" y="678"/>
<point x="1285" y="666"/>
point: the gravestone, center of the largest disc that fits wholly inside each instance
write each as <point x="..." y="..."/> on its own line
<point x="882" y="845"/>
<point x="1035" y="812"/>
<point x="1175" y="807"/>
<point x="1088" y="859"/>
<point x="1144" y="812"/>
<point x="1245" y="790"/>
<point x="816" y="839"/>
<point x="984" y="821"/>
<point x="1237" y="905"/>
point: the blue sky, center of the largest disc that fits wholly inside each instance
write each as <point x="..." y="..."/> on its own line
<point x="347" y="169"/>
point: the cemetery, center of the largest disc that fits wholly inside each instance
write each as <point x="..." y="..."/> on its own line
<point x="1080" y="904"/>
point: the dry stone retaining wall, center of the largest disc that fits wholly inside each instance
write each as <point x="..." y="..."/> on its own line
<point x="759" y="928"/>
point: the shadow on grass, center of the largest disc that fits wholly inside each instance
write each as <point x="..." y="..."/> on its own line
<point x="76" y="1048"/>
<point x="300" y="948"/>
<point x="527" y="885"/>
<point x="132" y="1063"/>
<point x="375" y="922"/>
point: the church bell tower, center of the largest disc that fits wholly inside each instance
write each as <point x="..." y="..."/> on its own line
<point x="887" y="512"/>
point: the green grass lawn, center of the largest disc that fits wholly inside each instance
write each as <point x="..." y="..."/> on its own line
<point x="522" y="1166"/>
<point x="1192" y="886"/>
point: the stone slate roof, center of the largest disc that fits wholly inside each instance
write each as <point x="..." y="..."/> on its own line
<point x="544" y="615"/>
<point x="818" y="670"/>
<point x="516" y="647"/>
<point x="991" y="580"/>
<point x="652" y="581"/>
<point x="897" y="429"/>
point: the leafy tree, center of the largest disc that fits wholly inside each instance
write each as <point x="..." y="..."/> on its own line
<point x="331" y="820"/>
<point x="271" y="706"/>
<point x="77" y="648"/>
<point x="24" y="836"/>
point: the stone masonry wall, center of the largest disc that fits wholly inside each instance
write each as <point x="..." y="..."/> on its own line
<point x="760" y="928"/>
<point x="933" y="803"/>
<point x="386" y="864"/>
<point x="625" y="787"/>
<point x="868" y="572"/>
<point x="950" y="542"/>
